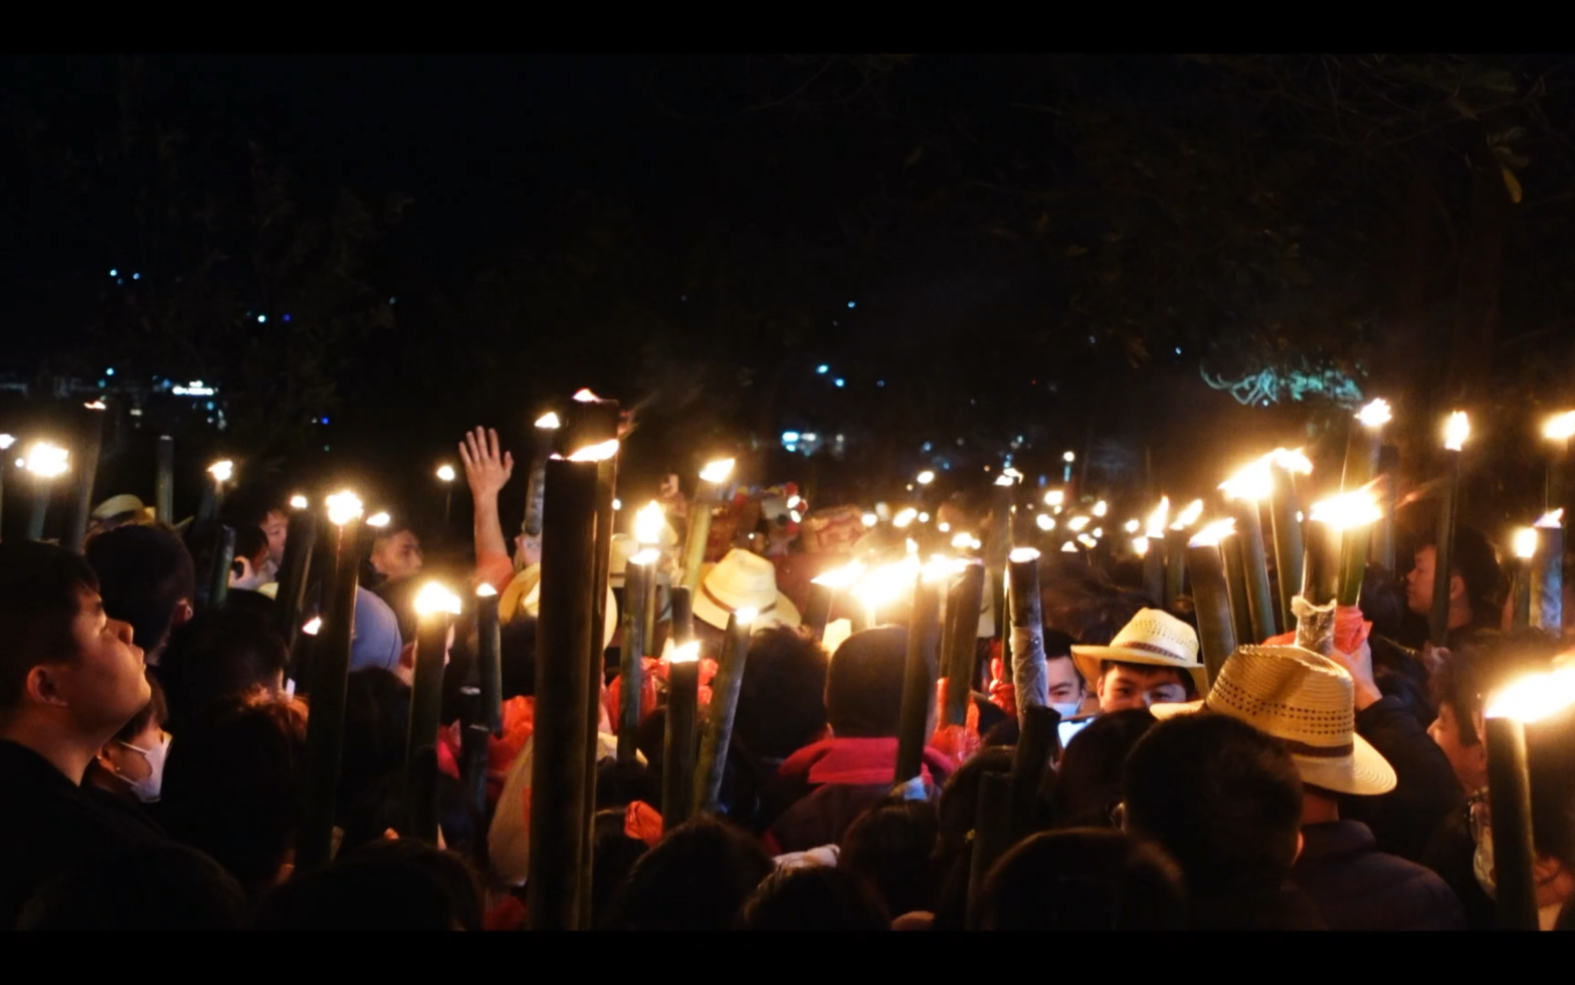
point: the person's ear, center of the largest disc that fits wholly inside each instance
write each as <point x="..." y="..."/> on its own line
<point x="1301" y="843"/>
<point x="42" y="686"/>
<point x="1457" y="588"/>
<point x="183" y="613"/>
<point x="407" y="655"/>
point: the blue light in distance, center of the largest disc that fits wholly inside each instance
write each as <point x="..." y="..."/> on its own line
<point x="823" y="369"/>
<point x="261" y="319"/>
<point x="841" y="382"/>
<point x="852" y="304"/>
<point x="790" y="436"/>
<point x="114" y="272"/>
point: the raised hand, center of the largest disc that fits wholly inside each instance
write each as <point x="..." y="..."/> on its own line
<point x="486" y="468"/>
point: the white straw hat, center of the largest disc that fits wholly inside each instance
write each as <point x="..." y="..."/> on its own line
<point x="1152" y="638"/>
<point x="1306" y="701"/>
<point x="743" y="580"/>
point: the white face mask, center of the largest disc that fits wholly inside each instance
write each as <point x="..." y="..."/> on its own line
<point x="147" y="790"/>
<point x="1067" y="710"/>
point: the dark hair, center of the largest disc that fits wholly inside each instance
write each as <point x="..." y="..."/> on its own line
<point x="1088" y="781"/>
<point x="1383" y="602"/>
<point x="1084" y="879"/>
<point x="696" y="878"/>
<point x="38" y="605"/>
<point x="1224" y="799"/>
<point x="781" y="701"/>
<point x="814" y="898"/>
<point x="250" y="543"/>
<point x="231" y="785"/>
<point x="154" y="711"/>
<point x="403" y="885"/>
<point x="159" y="886"/>
<point x="143" y="573"/>
<point x="620" y="784"/>
<point x="1058" y="644"/>
<point x="1149" y="670"/>
<point x="959" y="802"/>
<point x="892" y="845"/>
<point x="220" y="654"/>
<point x="864" y="683"/>
<point x="1467" y="673"/>
<point x="377" y="727"/>
<point x="1476" y="563"/>
<point x="614" y="855"/>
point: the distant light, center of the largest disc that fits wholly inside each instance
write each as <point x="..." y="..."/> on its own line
<point x="548" y="421"/>
<point x="379" y="519"/>
<point x="790" y="437"/>
<point x="1045" y="521"/>
<point x="446" y="473"/>
<point x="261" y="319"/>
<point x="811" y="436"/>
<point x="1178" y="350"/>
<point x="1132" y="526"/>
<point x="1078" y="522"/>
<point x="392" y="300"/>
<point x="823" y="369"/>
<point x="717" y="471"/>
<point x="97" y="405"/>
<point x="1100" y="508"/>
<point x="852" y="304"/>
<point x="1069" y="457"/>
<point x="114" y="273"/>
<point x="287" y="317"/>
<point x="6" y="441"/>
<point x="904" y="518"/>
<point x="1055" y="497"/>
<point x="924" y="518"/>
<point x="617" y="504"/>
<point x="841" y="382"/>
<point x="299" y="503"/>
<point x="136" y="276"/>
<point x="926" y="477"/>
<point x="944" y="527"/>
<point x="870" y="519"/>
<point x="110" y="371"/>
<point x="880" y="382"/>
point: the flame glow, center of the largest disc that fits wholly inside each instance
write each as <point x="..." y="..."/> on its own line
<point x="435" y="598"/>
<point x="1352" y="509"/>
<point x="47" y="461"/>
<point x="869" y="519"/>
<point x="549" y="421"/>
<point x="1045" y="521"/>
<point x="1132" y="526"/>
<point x="1535" y="697"/>
<point x="1525" y="543"/>
<point x="1560" y="427"/>
<point x="485" y="591"/>
<point x="1140" y="546"/>
<point x="962" y="541"/>
<point x="343" y="507"/>
<point x="648" y="523"/>
<point x="1087" y="541"/>
<point x="6" y="441"/>
<point x="379" y="519"/>
<point x="745" y="616"/>
<point x="1078" y="523"/>
<point x="1156" y="519"/>
<point x="907" y="516"/>
<point x="1457" y="431"/>
<point x="887" y="583"/>
<point x="97" y="405"/>
<point x="649" y="555"/>
<point x="1005" y="480"/>
<point x="313" y="626"/>
<point x="585" y="396"/>
<point x="445" y="473"/>
<point x="1101" y="508"/>
<point x="299" y="502"/>
<point x="1020" y="555"/>
<point x="1252" y="482"/>
<point x="1375" y="414"/>
<point x="1294" y="462"/>
<point x="596" y="453"/>
<point x="685" y="654"/>
<point x="941" y="568"/>
<point x="1551" y="521"/>
<point x="1211" y="535"/>
<point x="1055" y="497"/>
<point x="926" y="477"/>
<point x="840" y="578"/>
<point x="717" y="471"/>
<point x="222" y="470"/>
<point x="1188" y="516"/>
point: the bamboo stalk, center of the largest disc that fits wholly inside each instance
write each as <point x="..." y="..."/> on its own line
<point x="489" y="664"/>
<point x="1037" y="743"/>
<point x="638" y="579"/>
<point x="1289" y="558"/>
<point x="164" y="481"/>
<point x="918" y="681"/>
<point x="1211" y="598"/>
<point x="1547" y="581"/>
<point x="963" y="606"/>
<point x="290" y="598"/>
<point x="1444" y="553"/>
<point x="991" y="837"/>
<point x="426" y="709"/>
<point x="719" y="721"/>
<point x="678" y="754"/>
<point x="1030" y="678"/>
<point x="1236" y="572"/>
<point x="1509" y="797"/>
<point x="219" y="573"/>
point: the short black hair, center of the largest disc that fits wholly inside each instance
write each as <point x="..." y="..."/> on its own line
<point x="1084" y="879"/>
<point x="144" y="573"/>
<point x="1475" y="561"/>
<point x="220" y="654"/>
<point x="39" y="587"/>
<point x="781" y="700"/>
<point x="696" y="878"/>
<point x="1187" y="680"/>
<point x="160" y="886"/>
<point x="403" y="885"/>
<point x="864" y="683"/>
<point x="1088" y="780"/>
<point x="814" y="898"/>
<point x="893" y="845"/>
<point x="250" y="543"/>
<point x="1222" y="798"/>
<point x="959" y="802"/>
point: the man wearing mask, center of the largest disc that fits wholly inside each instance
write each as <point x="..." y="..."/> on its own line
<point x="70" y="679"/>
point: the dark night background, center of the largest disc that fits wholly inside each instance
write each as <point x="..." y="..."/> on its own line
<point x="1062" y="249"/>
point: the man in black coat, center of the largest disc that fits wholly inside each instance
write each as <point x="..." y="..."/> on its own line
<point x="70" y="677"/>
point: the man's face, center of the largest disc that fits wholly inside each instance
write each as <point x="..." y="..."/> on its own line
<point x="107" y="682"/>
<point x="398" y="556"/>
<point x="1469" y="762"/>
<point x="277" y="529"/>
<point x="1123" y="688"/>
<point x="1065" y="686"/>
<point x="1419" y="583"/>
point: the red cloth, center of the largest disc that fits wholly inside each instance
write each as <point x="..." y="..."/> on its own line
<point x="509" y="914"/>
<point x="519" y="721"/>
<point x="648" y="691"/>
<point x="1350" y="631"/>
<point x="860" y="762"/>
<point x="1003" y="694"/>
<point x="959" y="742"/>
<point x="642" y="823"/>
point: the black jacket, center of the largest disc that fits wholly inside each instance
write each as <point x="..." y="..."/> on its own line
<point x="1452" y="854"/>
<point x="1358" y="887"/>
<point x="1404" y="819"/>
<point x="50" y="825"/>
<point x="1282" y="909"/>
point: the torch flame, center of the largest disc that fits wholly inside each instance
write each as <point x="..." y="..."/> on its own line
<point x="1156" y="520"/>
<point x="840" y="578"/>
<point x="1253" y="482"/>
<point x="1551" y="521"/>
<point x="1055" y="497"/>
<point x="1101" y="508"/>
<point x="1045" y="521"/>
<point x="1077" y="523"/>
<point x="1005" y="480"/>
<point x="1140" y="546"/>
<point x="485" y="591"/>
<point x="1132" y="526"/>
<point x="445" y="473"/>
<point x="1087" y="541"/>
<point x="649" y="555"/>
<point x="962" y="541"/>
<point x="97" y="405"/>
<point x="47" y="461"/>
<point x="717" y="471"/>
<point x="1022" y="554"/>
<point x="1457" y="430"/>
<point x="745" y="616"/>
<point x="1188" y="516"/>
<point x="585" y="396"/>
<point x="1291" y="461"/>
<point x="1561" y="427"/>
<point x="313" y="626"/>
<point x="343" y="507"/>
<point x="435" y="598"/>
<point x="688" y="653"/>
<point x="379" y="519"/>
<point x="869" y="519"/>
<point x="6" y="441"/>
<point x="904" y="518"/>
<point x="299" y="502"/>
<point x="222" y="470"/>
<point x="1526" y="543"/>
<point x="925" y="478"/>
<point x="549" y="421"/>
<point x="596" y="453"/>
<point x="887" y="583"/>
<point x="1352" y="509"/>
<point x="941" y="568"/>
<point x="1375" y="414"/>
<point x="1534" y="697"/>
<point x="648" y="523"/>
<point x="1211" y="535"/>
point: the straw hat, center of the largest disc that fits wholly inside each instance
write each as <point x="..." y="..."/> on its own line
<point x="742" y="580"/>
<point x="122" y="505"/>
<point x="1153" y="638"/>
<point x="1306" y="701"/>
<point x="522" y="597"/>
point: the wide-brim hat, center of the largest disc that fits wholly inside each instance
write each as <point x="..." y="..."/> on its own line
<point x="116" y="506"/>
<point x="1308" y="702"/>
<point x="742" y="580"/>
<point x="1152" y="638"/>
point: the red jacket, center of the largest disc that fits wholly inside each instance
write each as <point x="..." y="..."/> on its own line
<point x="825" y="786"/>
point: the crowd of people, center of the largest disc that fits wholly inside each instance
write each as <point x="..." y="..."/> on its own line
<point x="153" y="752"/>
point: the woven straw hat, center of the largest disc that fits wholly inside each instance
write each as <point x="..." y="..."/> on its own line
<point x="1306" y="701"/>
<point x="1154" y="638"/>
<point x="743" y="580"/>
